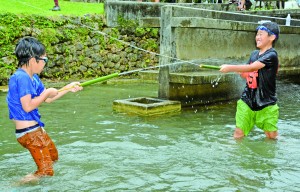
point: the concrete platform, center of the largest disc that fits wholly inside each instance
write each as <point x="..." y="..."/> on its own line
<point x="200" y="87"/>
<point x="146" y="106"/>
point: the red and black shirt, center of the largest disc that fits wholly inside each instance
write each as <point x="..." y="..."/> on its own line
<point x="260" y="90"/>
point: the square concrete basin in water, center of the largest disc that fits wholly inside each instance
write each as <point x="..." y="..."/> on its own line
<point x="146" y="106"/>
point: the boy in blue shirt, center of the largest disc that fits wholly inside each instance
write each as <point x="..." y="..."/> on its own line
<point x="26" y="93"/>
<point x="258" y="103"/>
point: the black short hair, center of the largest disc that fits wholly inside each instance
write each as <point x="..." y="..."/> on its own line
<point x="28" y="47"/>
<point x="272" y="26"/>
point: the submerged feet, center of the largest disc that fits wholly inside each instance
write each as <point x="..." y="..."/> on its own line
<point x="30" y="178"/>
<point x="35" y="177"/>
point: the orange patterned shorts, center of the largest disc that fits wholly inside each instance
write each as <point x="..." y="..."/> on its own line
<point x="42" y="149"/>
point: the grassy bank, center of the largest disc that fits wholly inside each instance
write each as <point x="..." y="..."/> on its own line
<point x="43" y="7"/>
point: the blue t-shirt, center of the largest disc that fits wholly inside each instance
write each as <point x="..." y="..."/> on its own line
<point x="20" y="84"/>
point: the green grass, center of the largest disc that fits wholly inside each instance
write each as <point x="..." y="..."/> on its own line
<point x="42" y="7"/>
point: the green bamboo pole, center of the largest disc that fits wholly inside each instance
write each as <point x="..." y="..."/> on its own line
<point x="210" y="67"/>
<point x="99" y="79"/>
<point x="90" y="82"/>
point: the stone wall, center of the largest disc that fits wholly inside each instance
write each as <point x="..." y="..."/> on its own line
<point x="79" y="47"/>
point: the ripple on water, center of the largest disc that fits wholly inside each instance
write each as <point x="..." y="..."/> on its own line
<point x="105" y="122"/>
<point x="144" y="125"/>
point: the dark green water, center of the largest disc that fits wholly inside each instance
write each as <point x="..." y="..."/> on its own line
<point x="101" y="150"/>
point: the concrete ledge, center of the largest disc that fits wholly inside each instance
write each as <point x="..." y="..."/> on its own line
<point x="133" y="10"/>
<point x="192" y="78"/>
<point x="295" y="13"/>
<point x="149" y="75"/>
<point x="186" y="13"/>
<point x="204" y="77"/>
<point x="209" y="23"/>
<point x="181" y="11"/>
<point x="150" y="22"/>
<point x="193" y="95"/>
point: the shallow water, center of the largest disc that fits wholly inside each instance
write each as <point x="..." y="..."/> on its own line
<point x="102" y="150"/>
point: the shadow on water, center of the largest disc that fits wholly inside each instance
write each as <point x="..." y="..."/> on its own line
<point x="192" y="151"/>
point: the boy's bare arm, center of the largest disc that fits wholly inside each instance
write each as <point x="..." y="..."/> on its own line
<point x="242" y="68"/>
<point x="29" y="104"/>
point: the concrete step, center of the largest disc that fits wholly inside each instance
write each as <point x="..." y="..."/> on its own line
<point x="193" y="78"/>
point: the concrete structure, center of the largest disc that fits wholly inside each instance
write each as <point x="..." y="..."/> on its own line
<point x="146" y="106"/>
<point x="134" y="10"/>
<point x="221" y="35"/>
<point x="194" y="35"/>
<point x="139" y="11"/>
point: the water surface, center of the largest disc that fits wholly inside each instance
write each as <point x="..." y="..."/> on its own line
<point x="102" y="150"/>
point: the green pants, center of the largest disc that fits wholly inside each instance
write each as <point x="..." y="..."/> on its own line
<point x="265" y="119"/>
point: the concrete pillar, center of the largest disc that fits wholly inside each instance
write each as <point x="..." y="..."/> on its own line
<point x="167" y="51"/>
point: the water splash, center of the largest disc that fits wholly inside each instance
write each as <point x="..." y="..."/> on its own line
<point x="215" y="82"/>
<point x="155" y="67"/>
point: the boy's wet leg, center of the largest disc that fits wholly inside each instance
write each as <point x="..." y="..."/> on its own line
<point x="52" y="148"/>
<point x="238" y="133"/>
<point x="271" y="134"/>
<point x="37" y="144"/>
<point x="42" y="158"/>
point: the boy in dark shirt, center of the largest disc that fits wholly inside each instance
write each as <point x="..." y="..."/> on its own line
<point x="257" y="105"/>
